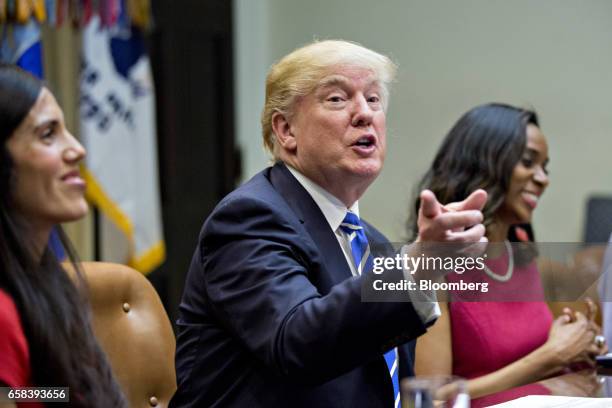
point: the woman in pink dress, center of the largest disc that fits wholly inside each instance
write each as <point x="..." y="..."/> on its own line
<point x="499" y="345"/>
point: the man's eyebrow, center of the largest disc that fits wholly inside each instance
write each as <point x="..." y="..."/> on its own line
<point x="339" y="80"/>
<point x="333" y="80"/>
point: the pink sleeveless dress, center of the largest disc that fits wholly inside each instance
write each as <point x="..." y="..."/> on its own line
<point x="490" y="334"/>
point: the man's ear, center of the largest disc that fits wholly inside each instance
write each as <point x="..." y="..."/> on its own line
<point x="282" y="129"/>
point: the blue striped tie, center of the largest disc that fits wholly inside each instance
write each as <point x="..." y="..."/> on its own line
<point x="362" y="259"/>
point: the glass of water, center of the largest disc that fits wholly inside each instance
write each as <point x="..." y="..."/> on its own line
<point x="437" y="391"/>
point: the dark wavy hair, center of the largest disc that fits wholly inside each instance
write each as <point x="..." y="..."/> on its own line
<point x="53" y="309"/>
<point x="480" y="151"/>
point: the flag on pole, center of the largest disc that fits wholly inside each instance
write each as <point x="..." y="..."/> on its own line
<point x="117" y="114"/>
<point x="21" y="46"/>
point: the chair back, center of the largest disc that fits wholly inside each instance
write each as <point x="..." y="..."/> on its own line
<point x="133" y="329"/>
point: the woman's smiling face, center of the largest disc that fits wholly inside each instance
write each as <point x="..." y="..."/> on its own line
<point x="46" y="187"/>
<point x="529" y="180"/>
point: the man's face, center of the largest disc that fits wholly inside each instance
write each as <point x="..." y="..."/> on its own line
<point x="340" y="131"/>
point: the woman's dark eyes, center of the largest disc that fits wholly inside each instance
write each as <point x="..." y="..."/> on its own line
<point x="529" y="163"/>
<point x="48" y="132"/>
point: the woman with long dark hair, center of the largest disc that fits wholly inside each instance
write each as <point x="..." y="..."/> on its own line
<point x="500" y="345"/>
<point x="46" y="338"/>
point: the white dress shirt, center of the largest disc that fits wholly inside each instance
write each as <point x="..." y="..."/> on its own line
<point x="334" y="212"/>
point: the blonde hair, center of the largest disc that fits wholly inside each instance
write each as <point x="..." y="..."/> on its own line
<point x="300" y="72"/>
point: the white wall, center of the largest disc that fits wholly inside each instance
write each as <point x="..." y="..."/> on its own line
<point x="555" y="56"/>
<point x="252" y="60"/>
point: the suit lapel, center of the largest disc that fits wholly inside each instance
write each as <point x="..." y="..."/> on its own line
<point x="312" y="218"/>
<point x="314" y="221"/>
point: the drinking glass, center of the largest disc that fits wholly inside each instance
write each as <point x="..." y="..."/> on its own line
<point x="438" y="391"/>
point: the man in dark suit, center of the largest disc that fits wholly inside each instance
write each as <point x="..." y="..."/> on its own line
<point x="272" y="314"/>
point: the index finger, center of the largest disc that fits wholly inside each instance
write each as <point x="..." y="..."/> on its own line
<point x="591" y="308"/>
<point x="474" y="201"/>
<point x="458" y="220"/>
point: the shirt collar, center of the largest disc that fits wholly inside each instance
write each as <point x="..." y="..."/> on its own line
<point x="332" y="208"/>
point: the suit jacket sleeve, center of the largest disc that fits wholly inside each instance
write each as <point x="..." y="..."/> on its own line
<point x="256" y="262"/>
